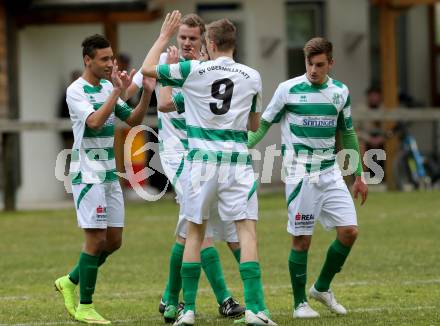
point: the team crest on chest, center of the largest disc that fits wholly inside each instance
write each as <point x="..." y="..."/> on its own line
<point x="337" y="99"/>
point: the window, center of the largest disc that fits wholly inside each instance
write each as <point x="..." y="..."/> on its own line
<point x="304" y="20"/>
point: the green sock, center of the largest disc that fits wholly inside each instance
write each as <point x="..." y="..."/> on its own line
<point x="253" y="289"/>
<point x="190" y="281"/>
<point x="298" y="275"/>
<point x="74" y="273"/>
<point x="336" y="255"/>
<point x="88" y="272"/>
<point x="174" y="284"/>
<point x="213" y="270"/>
<point x="237" y="254"/>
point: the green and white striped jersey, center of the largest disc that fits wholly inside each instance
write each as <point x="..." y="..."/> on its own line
<point x="219" y="95"/>
<point x="171" y="125"/>
<point x="93" y="158"/>
<point x="309" y="117"/>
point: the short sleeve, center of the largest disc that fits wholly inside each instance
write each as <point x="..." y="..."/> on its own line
<point x="174" y="74"/>
<point x="275" y="110"/>
<point x="122" y="110"/>
<point x="256" y="100"/>
<point x="79" y="107"/>
<point x="345" y="121"/>
<point x="179" y="102"/>
<point x="137" y="79"/>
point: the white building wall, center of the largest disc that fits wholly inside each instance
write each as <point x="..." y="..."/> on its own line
<point x="47" y="55"/>
<point x="418" y="54"/>
<point x="346" y="22"/>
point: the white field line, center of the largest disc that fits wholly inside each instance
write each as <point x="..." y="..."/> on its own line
<point x="208" y="290"/>
<point x="150" y="319"/>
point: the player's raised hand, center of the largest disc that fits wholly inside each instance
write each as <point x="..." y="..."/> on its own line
<point x="127" y="78"/>
<point x="170" y="24"/>
<point x="193" y="54"/>
<point x="116" y="76"/>
<point x="148" y="83"/>
<point x="359" y="186"/>
<point x="172" y="55"/>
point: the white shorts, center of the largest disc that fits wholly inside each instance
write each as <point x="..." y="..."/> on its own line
<point x="177" y="171"/>
<point x="324" y="198"/>
<point x="99" y="206"/>
<point x="232" y="187"/>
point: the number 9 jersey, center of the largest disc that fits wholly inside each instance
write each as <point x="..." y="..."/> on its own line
<point x="219" y="95"/>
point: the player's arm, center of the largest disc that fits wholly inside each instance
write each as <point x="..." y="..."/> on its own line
<point x="272" y="114"/>
<point x="138" y="114"/>
<point x="165" y="103"/>
<point x="134" y="87"/>
<point x="97" y="119"/>
<point x="350" y="141"/>
<point x="169" y="27"/>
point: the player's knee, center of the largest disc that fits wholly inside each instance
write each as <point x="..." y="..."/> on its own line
<point x="113" y="245"/>
<point x="349" y="235"/>
<point x="301" y="243"/>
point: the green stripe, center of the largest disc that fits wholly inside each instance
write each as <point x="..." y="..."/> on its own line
<point x="313" y="132"/>
<point x="338" y="83"/>
<point x="104" y="176"/>
<point x="348" y="102"/>
<point x="179" y="123"/>
<point x="324" y="164"/>
<point x="303" y="88"/>
<point x="312" y="109"/>
<point x="163" y="71"/>
<point x="219" y="157"/>
<point x="310" y="150"/>
<point x="123" y="111"/>
<point x="95" y="154"/>
<point x="217" y="134"/>
<point x="185" y="143"/>
<point x="254" y="103"/>
<point x="83" y="193"/>
<point x="106" y="131"/>
<point x="92" y="89"/>
<point x="179" y="171"/>
<point x="279" y="115"/>
<point x="294" y="193"/>
<point x="185" y="69"/>
<point x="159" y="123"/>
<point x="253" y="189"/>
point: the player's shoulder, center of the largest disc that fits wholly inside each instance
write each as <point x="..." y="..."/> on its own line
<point x="293" y="83"/>
<point x="163" y="58"/>
<point x="338" y="84"/>
<point x="76" y="87"/>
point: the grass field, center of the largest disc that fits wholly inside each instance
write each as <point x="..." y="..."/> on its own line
<point x="392" y="276"/>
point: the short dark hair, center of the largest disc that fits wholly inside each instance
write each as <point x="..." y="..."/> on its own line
<point x="223" y="33"/>
<point x="193" y="20"/>
<point x="318" y="45"/>
<point x="93" y="43"/>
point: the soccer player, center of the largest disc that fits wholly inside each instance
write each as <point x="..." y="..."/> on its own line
<point x="173" y="144"/>
<point x="311" y="109"/>
<point x="93" y="103"/>
<point x="221" y="97"/>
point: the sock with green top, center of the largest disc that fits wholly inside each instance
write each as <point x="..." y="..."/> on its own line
<point x="190" y="273"/>
<point x="74" y="274"/>
<point x="174" y="285"/>
<point x="213" y="270"/>
<point x="336" y="255"/>
<point x="253" y="289"/>
<point x="298" y="275"/>
<point x="88" y="272"/>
